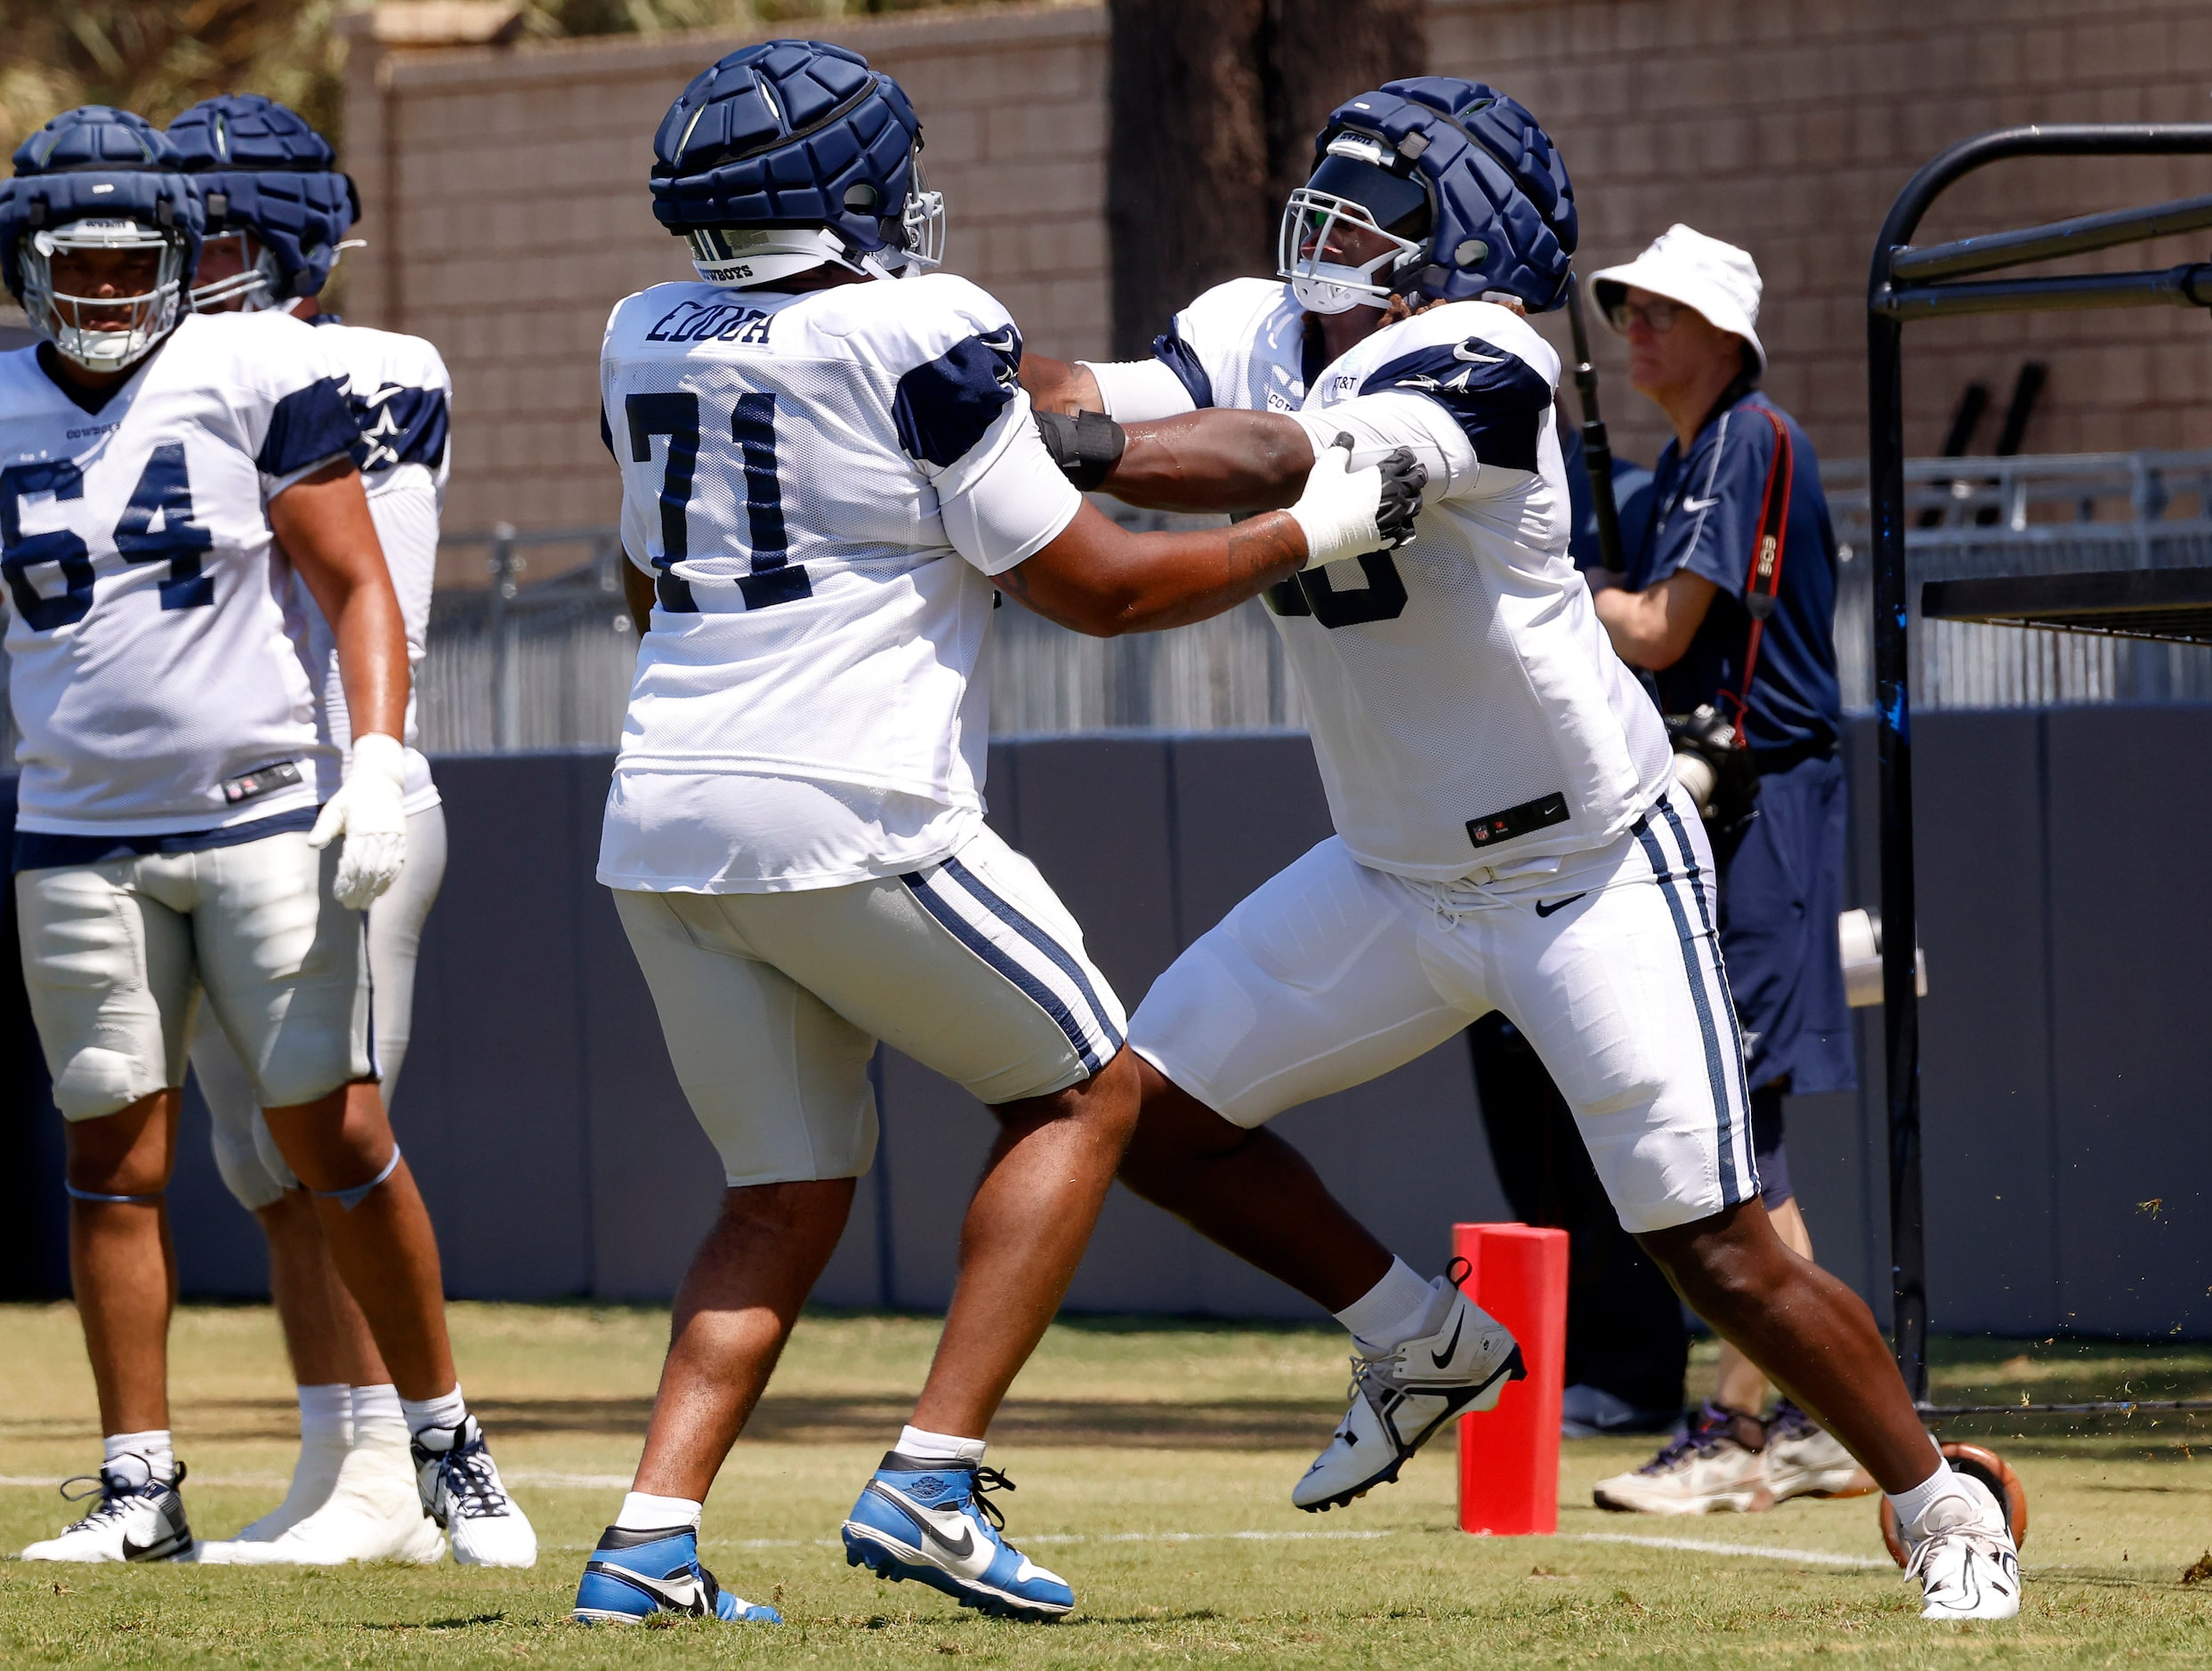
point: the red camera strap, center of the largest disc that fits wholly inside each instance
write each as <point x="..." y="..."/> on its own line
<point x="1763" y="584"/>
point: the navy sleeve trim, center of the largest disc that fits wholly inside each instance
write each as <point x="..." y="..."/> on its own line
<point x="309" y="425"/>
<point x="943" y="408"/>
<point x="1497" y="397"/>
<point x="399" y="425"/>
<point x="1180" y="358"/>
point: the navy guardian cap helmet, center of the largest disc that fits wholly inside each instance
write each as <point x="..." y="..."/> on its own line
<point x="1468" y="190"/>
<point x="262" y="172"/>
<point x="98" y="179"/>
<point x="789" y="154"/>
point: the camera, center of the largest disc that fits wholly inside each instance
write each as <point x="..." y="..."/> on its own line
<point x="1712" y="763"/>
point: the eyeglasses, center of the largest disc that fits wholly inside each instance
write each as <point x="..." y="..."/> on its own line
<point x="1659" y="313"/>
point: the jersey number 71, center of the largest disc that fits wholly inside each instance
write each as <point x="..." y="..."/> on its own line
<point x="775" y="578"/>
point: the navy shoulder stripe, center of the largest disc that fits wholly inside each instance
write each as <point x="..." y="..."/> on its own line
<point x="1498" y="398"/>
<point x="1180" y="358"/>
<point x="943" y="408"/>
<point x="605" y="433"/>
<point x="400" y="425"/>
<point x="309" y="425"/>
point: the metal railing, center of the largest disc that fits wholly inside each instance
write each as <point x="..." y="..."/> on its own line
<point x="2046" y="514"/>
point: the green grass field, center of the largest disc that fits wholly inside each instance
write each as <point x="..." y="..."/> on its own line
<point x="1154" y="1465"/>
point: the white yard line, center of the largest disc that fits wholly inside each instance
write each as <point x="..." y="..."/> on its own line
<point x="1711" y="1546"/>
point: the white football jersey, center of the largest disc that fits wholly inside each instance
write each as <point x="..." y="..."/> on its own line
<point x="1242" y="345"/>
<point x="402" y="395"/>
<point x="1467" y="707"/>
<point x="158" y="667"/>
<point x="820" y="485"/>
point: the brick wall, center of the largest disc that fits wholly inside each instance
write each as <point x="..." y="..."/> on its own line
<point x="1789" y="127"/>
<point x="1786" y="126"/>
<point x="506" y="212"/>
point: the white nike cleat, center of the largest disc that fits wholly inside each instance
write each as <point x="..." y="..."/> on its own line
<point x="1401" y="1398"/>
<point x="134" y="1522"/>
<point x="375" y="1512"/>
<point x="1964" y="1555"/>
<point x="1716" y="1464"/>
<point x="314" y="1477"/>
<point x="460" y="1489"/>
<point x="1804" y="1460"/>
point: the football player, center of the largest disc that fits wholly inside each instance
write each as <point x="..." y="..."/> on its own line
<point x="277" y="212"/>
<point x="182" y="827"/>
<point x="1508" y="834"/>
<point x="827" y="474"/>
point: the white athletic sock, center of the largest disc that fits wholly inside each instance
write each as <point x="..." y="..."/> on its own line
<point x="1393" y="1310"/>
<point x="448" y="1410"/>
<point x="1911" y="1506"/>
<point x="138" y="1457"/>
<point x="927" y="1447"/>
<point x="377" y="1417"/>
<point x="642" y="1511"/>
<point x="326" y="1414"/>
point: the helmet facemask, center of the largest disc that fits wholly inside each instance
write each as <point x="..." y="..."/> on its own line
<point x="922" y="223"/>
<point x="1354" y="187"/>
<point x="255" y="287"/>
<point x="86" y="329"/>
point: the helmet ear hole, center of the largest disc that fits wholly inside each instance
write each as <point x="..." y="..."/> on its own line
<point x="862" y="199"/>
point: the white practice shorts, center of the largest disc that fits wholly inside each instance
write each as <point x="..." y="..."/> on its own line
<point x="1333" y="973"/>
<point x="772" y="1002"/>
<point x="245" y="1153"/>
<point x="115" y="955"/>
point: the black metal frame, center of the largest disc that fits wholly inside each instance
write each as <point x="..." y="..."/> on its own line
<point x="1906" y="284"/>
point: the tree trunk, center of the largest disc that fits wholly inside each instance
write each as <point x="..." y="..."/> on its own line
<point x="1216" y="105"/>
<point x="1186" y="198"/>
<point x="1320" y="52"/>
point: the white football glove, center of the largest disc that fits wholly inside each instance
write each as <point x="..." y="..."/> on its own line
<point x="370" y="811"/>
<point x="1347" y="513"/>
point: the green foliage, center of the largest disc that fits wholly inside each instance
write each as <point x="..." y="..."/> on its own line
<point x="158" y="56"/>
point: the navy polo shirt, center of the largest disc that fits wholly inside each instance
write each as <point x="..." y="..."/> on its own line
<point x="1706" y="519"/>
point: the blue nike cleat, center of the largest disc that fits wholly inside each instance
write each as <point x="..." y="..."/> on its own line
<point x="633" y="1575"/>
<point x="929" y="1521"/>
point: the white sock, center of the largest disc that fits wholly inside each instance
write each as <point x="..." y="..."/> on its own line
<point x="1911" y="1506"/>
<point x="326" y="1414"/>
<point x="642" y="1511"/>
<point x="138" y="1457"/>
<point x="448" y="1410"/>
<point x="927" y="1447"/>
<point x="377" y="1416"/>
<point x="1393" y="1310"/>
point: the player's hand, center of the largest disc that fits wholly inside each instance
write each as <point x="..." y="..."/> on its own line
<point x="1347" y="513"/>
<point x="369" y="811"/>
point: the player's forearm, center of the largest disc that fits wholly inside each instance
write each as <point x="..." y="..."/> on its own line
<point x="323" y="524"/>
<point x="1141" y="583"/>
<point x="1216" y="460"/>
<point x="1060" y="385"/>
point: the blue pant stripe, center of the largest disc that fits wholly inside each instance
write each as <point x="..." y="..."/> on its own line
<point x="1720" y="968"/>
<point x="1060" y="955"/>
<point x="978" y="942"/>
<point x="1717" y="1072"/>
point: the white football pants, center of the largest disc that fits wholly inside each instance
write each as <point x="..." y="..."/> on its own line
<point x="245" y="1153"/>
<point x="1332" y="974"/>
<point x="772" y="1002"/>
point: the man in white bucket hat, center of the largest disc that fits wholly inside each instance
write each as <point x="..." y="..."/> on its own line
<point x="1730" y="600"/>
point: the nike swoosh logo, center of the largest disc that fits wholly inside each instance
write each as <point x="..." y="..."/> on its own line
<point x="1543" y="910"/>
<point x="684" y="1598"/>
<point x="1465" y="351"/>
<point x="998" y="341"/>
<point x="1694" y="506"/>
<point x="1444" y="1357"/>
<point x="959" y="1550"/>
<point x="147" y="1552"/>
